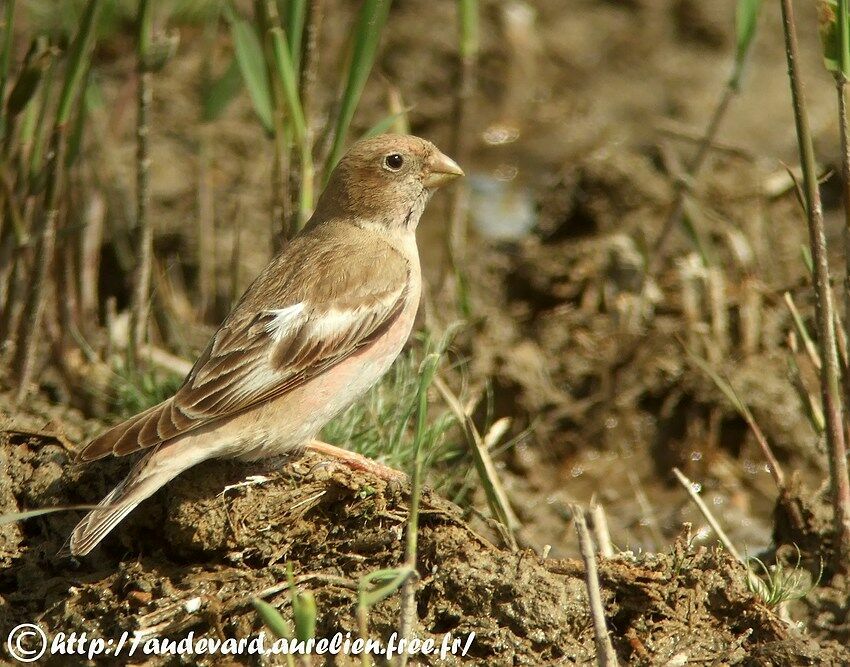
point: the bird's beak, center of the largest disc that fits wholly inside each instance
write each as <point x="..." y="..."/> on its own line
<point x="440" y="170"/>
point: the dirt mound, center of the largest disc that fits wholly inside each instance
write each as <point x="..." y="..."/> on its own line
<point x="193" y="557"/>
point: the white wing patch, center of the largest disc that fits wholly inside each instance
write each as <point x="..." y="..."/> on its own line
<point x="333" y="322"/>
<point x="284" y="320"/>
<point x="336" y="322"/>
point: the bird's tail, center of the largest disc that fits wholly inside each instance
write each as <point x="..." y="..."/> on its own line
<point x="147" y="476"/>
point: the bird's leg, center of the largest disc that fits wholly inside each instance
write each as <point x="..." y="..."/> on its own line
<point x="356" y="461"/>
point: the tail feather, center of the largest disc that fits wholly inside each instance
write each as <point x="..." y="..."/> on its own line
<point x="143" y="481"/>
<point x="97" y="525"/>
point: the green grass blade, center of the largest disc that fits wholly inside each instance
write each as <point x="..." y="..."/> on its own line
<point x="304" y="613"/>
<point x="833" y="20"/>
<point x="426" y="376"/>
<point x="272" y="618"/>
<point x="216" y="97"/>
<point x="746" y="19"/>
<point x="27" y="82"/>
<point x="289" y="82"/>
<point x="8" y="32"/>
<point x="79" y="60"/>
<point x="370" y="23"/>
<point x="145" y="30"/>
<point x="806" y="253"/>
<point x="723" y="385"/>
<point x="289" y="85"/>
<point x="37" y="68"/>
<point x="75" y="138"/>
<point x="384" y="125"/>
<point x="800" y="327"/>
<point x="40" y="130"/>
<point x="844" y="36"/>
<point x="249" y="55"/>
<point x="296" y="15"/>
<point x="369" y="597"/>
<point x="427" y="371"/>
<point x="469" y="32"/>
<point x="31" y="114"/>
<point x="811" y="407"/>
<point x="303" y="608"/>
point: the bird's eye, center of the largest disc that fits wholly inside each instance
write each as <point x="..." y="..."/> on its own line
<point x="393" y="161"/>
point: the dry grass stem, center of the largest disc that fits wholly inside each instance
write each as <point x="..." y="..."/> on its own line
<point x="803" y="333"/>
<point x="91" y="240"/>
<point x="605" y="655"/>
<point x="831" y="391"/>
<point x="496" y="496"/>
<point x="29" y="330"/>
<point x="732" y="396"/>
<point x="703" y="508"/>
<point x="140" y="303"/>
<point x="599" y="524"/>
<point x="647" y="512"/>
<point x="682" y="185"/>
<point x="206" y="226"/>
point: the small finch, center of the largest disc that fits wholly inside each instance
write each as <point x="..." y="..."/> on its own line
<point x="316" y="329"/>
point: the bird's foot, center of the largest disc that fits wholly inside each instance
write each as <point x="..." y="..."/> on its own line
<point x="356" y="461"/>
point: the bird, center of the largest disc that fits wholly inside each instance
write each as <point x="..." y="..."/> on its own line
<point x="319" y="326"/>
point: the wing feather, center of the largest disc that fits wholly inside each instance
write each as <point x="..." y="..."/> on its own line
<point x="262" y="352"/>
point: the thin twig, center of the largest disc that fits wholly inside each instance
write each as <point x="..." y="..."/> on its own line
<point x="673" y="130"/>
<point x="646" y="509"/>
<point x="703" y="508"/>
<point x="65" y="290"/>
<point x="468" y="56"/>
<point x="407" y="611"/>
<point x="682" y="185"/>
<point x="91" y="239"/>
<point x="599" y="524"/>
<point x="743" y="409"/>
<point x="11" y="259"/>
<point x="605" y="655"/>
<point x="267" y="17"/>
<point x="309" y="66"/>
<point x="310" y="60"/>
<point x="841" y="91"/>
<point x="7" y="29"/>
<point x="830" y="374"/>
<point x="800" y="327"/>
<point x="29" y="331"/>
<point x="109" y="323"/>
<point x="458" y="213"/>
<point x="235" y="264"/>
<point x="810" y="404"/>
<point x="206" y="225"/>
<point x="140" y="304"/>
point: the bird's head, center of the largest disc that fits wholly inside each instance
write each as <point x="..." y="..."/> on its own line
<point x="386" y="180"/>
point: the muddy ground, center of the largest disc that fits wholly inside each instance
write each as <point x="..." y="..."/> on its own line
<point x="594" y="376"/>
<point x="194" y="558"/>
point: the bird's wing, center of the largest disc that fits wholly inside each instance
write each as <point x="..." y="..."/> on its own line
<point x="260" y="354"/>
